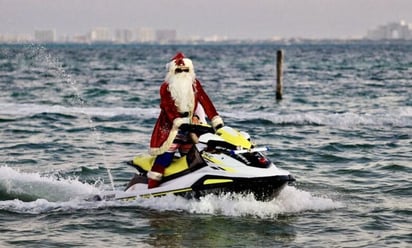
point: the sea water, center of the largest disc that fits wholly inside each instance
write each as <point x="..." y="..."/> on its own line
<point x="71" y="115"/>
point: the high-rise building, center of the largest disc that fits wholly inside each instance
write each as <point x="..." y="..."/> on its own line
<point x="45" y="35"/>
<point x="100" y="35"/>
<point x="123" y="36"/>
<point x="391" y="31"/>
<point x="16" y="38"/>
<point x="144" y="35"/>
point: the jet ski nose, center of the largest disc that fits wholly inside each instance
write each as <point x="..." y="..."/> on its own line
<point x="291" y="179"/>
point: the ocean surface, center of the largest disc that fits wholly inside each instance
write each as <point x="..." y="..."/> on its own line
<point x="72" y="115"/>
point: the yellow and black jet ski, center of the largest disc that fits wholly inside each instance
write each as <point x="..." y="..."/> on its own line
<point x="220" y="162"/>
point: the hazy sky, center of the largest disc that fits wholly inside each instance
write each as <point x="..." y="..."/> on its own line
<point x="232" y="18"/>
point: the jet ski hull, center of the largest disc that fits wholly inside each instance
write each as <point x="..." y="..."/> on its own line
<point x="263" y="189"/>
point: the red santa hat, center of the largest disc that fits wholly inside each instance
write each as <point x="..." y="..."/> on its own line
<point x="178" y="58"/>
<point x="179" y="61"/>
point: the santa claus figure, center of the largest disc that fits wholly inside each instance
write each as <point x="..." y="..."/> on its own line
<point x="181" y="95"/>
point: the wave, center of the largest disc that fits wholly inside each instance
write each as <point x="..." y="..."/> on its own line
<point x="23" y="110"/>
<point x="396" y="118"/>
<point x="32" y="193"/>
<point x="291" y="200"/>
<point x="33" y="186"/>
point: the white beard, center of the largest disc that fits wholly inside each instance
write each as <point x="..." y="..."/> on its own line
<point x="181" y="89"/>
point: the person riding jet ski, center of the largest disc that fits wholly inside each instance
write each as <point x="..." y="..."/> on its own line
<point x="181" y="96"/>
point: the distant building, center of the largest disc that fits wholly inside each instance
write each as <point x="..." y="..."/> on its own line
<point x="100" y="35"/>
<point x="144" y="35"/>
<point x="45" y="36"/>
<point x="123" y="36"/>
<point x="80" y="38"/>
<point x="166" y="35"/>
<point x="391" y="31"/>
<point x="15" y="38"/>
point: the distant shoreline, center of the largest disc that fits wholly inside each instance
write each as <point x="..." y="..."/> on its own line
<point x="228" y="42"/>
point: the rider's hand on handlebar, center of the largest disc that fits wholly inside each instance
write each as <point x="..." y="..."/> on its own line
<point x="218" y="127"/>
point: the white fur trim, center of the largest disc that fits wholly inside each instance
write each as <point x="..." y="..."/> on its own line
<point x="154" y="175"/>
<point x="154" y="151"/>
<point x="217" y="120"/>
<point x="189" y="63"/>
<point x="171" y="66"/>
<point x="179" y="121"/>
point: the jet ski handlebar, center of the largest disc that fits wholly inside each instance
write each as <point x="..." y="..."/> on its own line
<point x="198" y="129"/>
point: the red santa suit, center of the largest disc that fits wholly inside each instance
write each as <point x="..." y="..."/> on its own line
<point x="177" y="108"/>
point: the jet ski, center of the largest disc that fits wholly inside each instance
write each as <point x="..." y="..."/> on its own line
<point x="221" y="161"/>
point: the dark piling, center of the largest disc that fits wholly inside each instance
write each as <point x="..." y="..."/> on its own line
<point x="279" y="74"/>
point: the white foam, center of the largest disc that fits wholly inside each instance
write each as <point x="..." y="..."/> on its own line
<point x="399" y="118"/>
<point x="32" y="186"/>
<point x="291" y="200"/>
<point x="21" y="110"/>
<point x="49" y="194"/>
<point x="44" y="206"/>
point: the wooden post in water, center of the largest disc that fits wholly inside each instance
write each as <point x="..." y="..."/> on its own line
<point x="279" y="74"/>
